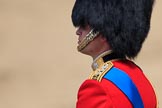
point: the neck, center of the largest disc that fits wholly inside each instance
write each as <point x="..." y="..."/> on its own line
<point x="101" y="52"/>
<point x="105" y="57"/>
<point x="98" y="60"/>
<point x="102" y="55"/>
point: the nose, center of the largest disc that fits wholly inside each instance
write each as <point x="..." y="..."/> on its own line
<point x="78" y="32"/>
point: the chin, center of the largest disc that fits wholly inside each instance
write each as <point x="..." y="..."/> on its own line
<point x="86" y="51"/>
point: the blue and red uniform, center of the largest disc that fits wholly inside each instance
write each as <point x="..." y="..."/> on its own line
<point x="116" y="84"/>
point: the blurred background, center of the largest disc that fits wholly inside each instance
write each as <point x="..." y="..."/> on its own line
<point x="39" y="64"/>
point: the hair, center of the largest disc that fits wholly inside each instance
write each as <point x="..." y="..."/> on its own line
<point x="124" y="23"/>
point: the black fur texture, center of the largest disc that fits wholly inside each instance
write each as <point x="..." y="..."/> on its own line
<point x="125" y="23"/>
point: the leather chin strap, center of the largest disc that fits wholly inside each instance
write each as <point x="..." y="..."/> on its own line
<point x="89" y="37"/>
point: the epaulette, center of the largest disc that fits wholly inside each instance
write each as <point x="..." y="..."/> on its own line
<point x="101" y="71"/>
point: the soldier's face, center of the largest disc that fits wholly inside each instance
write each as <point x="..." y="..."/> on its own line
<point x="82" y="32"/>
<point x="93" y="47"/>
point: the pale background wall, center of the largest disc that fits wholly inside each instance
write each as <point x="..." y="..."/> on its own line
<point x="39" y="64"/>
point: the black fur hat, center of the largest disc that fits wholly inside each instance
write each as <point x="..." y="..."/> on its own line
<point x="125" y="23"/>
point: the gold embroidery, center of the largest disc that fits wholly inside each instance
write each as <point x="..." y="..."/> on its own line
<point x="101" y="71"/>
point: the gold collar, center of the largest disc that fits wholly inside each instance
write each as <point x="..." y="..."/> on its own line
<point x="99" y="60"/>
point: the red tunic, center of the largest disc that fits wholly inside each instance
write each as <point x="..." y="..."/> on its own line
<point x="104" y="94"/>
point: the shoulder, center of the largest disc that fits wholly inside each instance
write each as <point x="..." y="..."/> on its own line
<point x="101" y="71"/>
<point x="93" y="92"/>
<point x="98" y="91"/>
<point x="125" y="66"/>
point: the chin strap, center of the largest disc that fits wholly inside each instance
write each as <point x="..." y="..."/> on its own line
<point x="89" y="37"/>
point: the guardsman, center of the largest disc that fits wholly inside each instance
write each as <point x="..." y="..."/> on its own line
<point x="112" y="33"/>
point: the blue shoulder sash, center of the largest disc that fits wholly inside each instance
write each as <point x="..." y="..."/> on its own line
<point x="126" y="85"/>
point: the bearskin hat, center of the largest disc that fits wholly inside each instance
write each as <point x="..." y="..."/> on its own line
<point x="124" y="23"/>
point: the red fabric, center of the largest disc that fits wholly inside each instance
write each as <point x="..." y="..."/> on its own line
<point x="104" y="94"/>
<point x="142" y="83"/>
<point x="93" y="95"/>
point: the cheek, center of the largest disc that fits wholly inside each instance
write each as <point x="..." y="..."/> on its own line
<point x="96" y="44"/>
<point x="82" y="36"/>
<point x="92" y="45"/>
